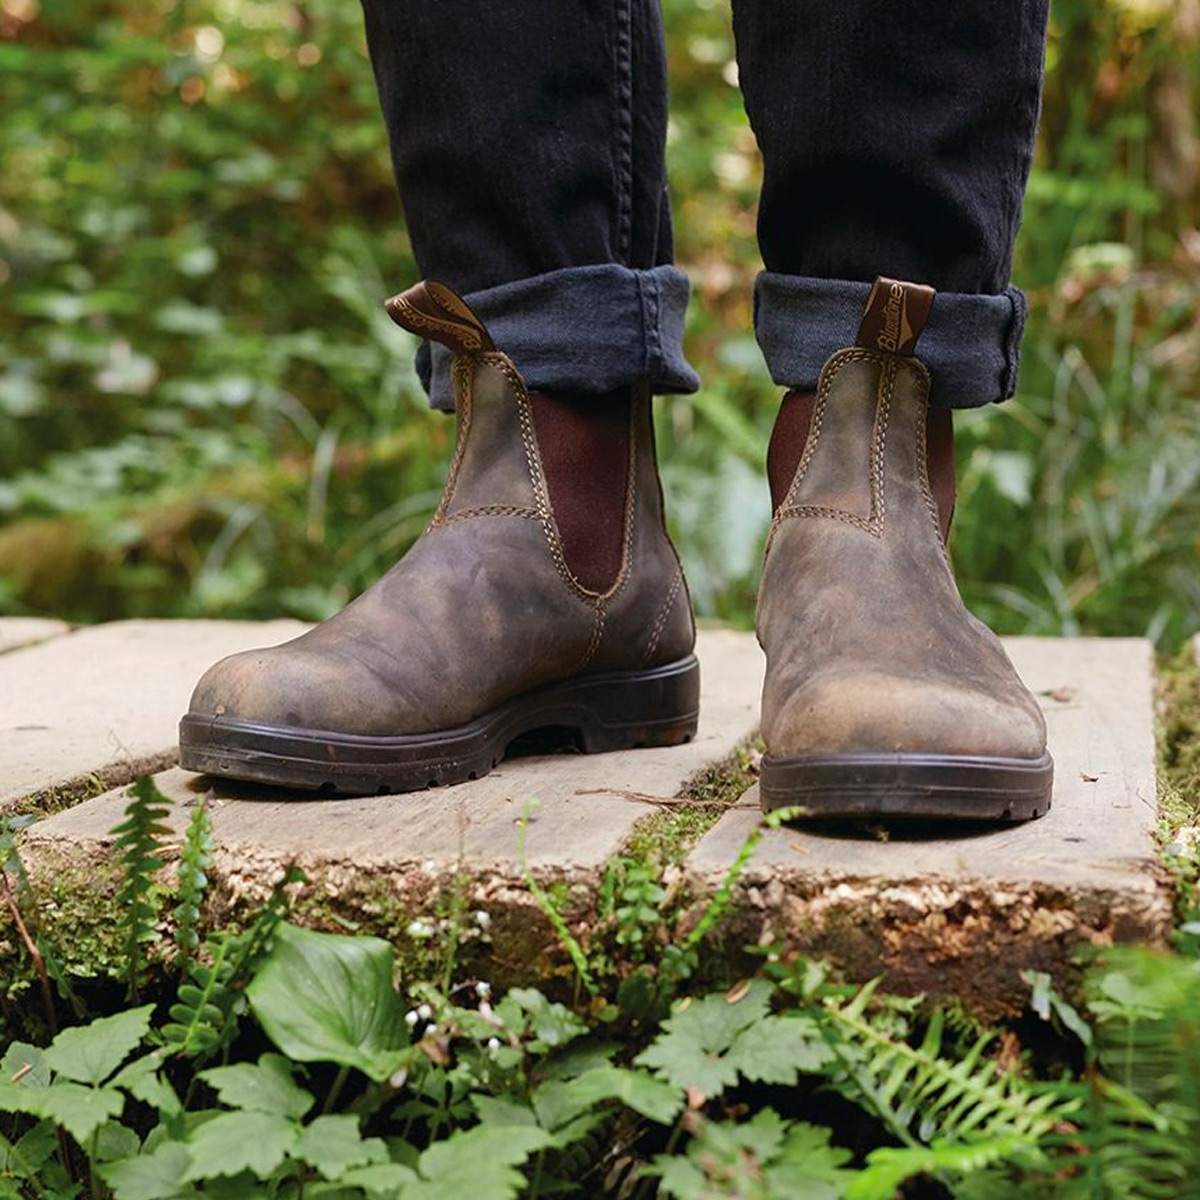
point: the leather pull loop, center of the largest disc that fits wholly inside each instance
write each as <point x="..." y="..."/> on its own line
<point x="433" y="310"/>
<point x="894" y="316"/>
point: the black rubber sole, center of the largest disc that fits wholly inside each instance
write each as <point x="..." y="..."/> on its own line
<point x="619" y="710"/>
<point x="908" y="787"/>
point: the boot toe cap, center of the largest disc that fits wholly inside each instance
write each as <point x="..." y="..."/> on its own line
<point x="876" y="713"/>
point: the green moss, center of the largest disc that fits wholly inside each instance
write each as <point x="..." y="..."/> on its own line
<point x="1179" y="743"/>
<point x="665" y="836"/>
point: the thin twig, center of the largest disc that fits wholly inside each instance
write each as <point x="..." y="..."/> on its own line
<point x="35" y="955"/>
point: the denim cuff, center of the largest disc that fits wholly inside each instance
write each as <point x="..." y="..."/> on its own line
<point x="581" y="329"/>
<point x="971" y="343"/>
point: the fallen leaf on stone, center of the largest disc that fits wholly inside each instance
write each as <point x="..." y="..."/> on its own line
<point x="1088" y="778"/>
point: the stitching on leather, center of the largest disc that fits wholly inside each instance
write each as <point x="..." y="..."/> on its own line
<point x="631" y="491"/>
<point x="464" y="388"/>
<point x="597" y="634"/>
<point x="883" y="412"/>
<point x="491" y="510"/>
<point x="872" y="524"/>
<point x="533" y="463"/>
<point x="660" y="622"/>
<point x="922" y="383"/>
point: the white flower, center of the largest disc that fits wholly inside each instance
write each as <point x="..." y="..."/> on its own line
<point x="411" y="1017"/>
<point x="482" y="919"/>
<point x="424" y="1012"/>
<point x="483" y="989"/>
<point x="493" y="1043"/>
<point x="420" y="929"/>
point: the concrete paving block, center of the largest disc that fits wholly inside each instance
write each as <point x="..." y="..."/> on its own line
<point x="103" y="702"/>
<point x="16" y="632"/>
<point x="964" y="912"/>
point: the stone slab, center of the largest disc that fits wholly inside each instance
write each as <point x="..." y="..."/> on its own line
<point x="580" y="807"/>
<point x="16" y="632"/>
<point x="104" y="702"/>
<point x="966" y="912"/>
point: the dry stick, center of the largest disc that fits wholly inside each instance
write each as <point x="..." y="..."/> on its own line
<point x="39" y="963"/>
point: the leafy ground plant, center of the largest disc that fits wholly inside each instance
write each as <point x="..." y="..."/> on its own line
<point x="277" y="1061"/>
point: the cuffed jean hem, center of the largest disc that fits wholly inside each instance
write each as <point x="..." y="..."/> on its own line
<point x="581" y="329"/>
<point x="971" y="343"/>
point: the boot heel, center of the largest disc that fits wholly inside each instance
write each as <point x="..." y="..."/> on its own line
<point x="631" y="709"/>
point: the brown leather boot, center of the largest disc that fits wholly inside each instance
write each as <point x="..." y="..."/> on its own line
<point x="884" y="697"/>
<point x="481" y="633"/>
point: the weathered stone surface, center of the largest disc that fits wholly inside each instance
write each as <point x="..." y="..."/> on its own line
<point x="965" y="913"/>
<point x="379" y="862"/>
<point x="16" y="632"/>
<point x="105" y="701"/>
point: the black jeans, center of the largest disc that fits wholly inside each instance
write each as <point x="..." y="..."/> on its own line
<point x="896" y="140"/>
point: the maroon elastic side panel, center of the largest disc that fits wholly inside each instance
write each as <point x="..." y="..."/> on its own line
<point x="584" y="445"/>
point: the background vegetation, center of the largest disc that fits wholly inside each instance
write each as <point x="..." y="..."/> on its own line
<point x="204" y="412"/>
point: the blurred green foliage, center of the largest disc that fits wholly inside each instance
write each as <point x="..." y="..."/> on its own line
<point x="204" y="411"/>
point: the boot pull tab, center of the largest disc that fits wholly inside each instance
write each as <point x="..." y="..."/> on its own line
<point x="432" y="310"/>
<point x="895" y="315"/>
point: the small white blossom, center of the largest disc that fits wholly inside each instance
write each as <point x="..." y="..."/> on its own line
<point x="483" y="989"/>
<point x="482" y="919"/>
<point x="411" y="1017"/>
<point x="493" y="1043"/>
<point x="424" y="1012"/>
<point x="420" y="929"/>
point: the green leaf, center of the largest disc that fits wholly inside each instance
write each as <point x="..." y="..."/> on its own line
<point x="694" y="1049"/>
<point x="142" y="1081"/>
<point x="333" y="1144"/>
<point x="240" y="1141"/>
<point x="91" y="1053"/>
<point x="557" y="1103"/>
<point x="114" y="1141"/>
<point x="551" y="1024"/>
<point x="778" y="1049"/>
<point x="265" y="1086"/>
<point x="79" y="1110"/>
<point x="326" y="997"/>
<point x="382" y="1179"/>
<point x="156" y="1176"/>
<point x="478" y="1164"/>
<point x="807" y="1165"/>
<point x="30" y="1151"/>
<point x="26" y="1062"/>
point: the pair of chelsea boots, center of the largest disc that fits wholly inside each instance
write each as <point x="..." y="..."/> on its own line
<point x="884" y="698"/>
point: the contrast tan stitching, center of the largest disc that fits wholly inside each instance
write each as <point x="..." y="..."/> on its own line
<point x="922" y="381"/>
<point x="464" y="382"/>
<point x="660" y="622"/>
<point x="491" y="510"/>
<point x="533" y="463"/>
<point x="631" y="488"/>
<point x="597" y="636"/>
<point x="873" y="522"/>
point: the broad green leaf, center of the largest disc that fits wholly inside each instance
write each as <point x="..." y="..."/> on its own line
<point x="156" y="1176"/>
<point x="114" y="1141"/>
<point x="265" y="1086"/>
<point x="381" y="1179"/>
<point x="240" y="1141"/>
<point x="478" y="1164"/>
<point x="91" y="1053"/>
<point x="25" y="1064"/>
<point x="497" y="1112"/>
<point x="777" y="1049"/>
<point x="693" y="1049"/>
<point x="23" y="1158"/>
<point x="79" y="1110"/>
<point x="557" y="1103"/>
<point x="326" y="997"/>
<point x="141" y="1080"/>
<point x="807" y="1165"/>
<point x="333" y="1144"/>
<point x="551" y="1024"/>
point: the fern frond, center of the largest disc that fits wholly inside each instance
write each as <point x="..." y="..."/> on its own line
<point x="194" y="862"/>
<point x="138" y="841"/>
<point x="960" y="1099"/>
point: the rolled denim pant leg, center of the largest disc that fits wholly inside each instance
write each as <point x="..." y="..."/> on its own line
<point x="896" y="140"/>
<point x="528" y="143"/>
<point x="971" y="343"/>
<point x="582" y="329"/>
